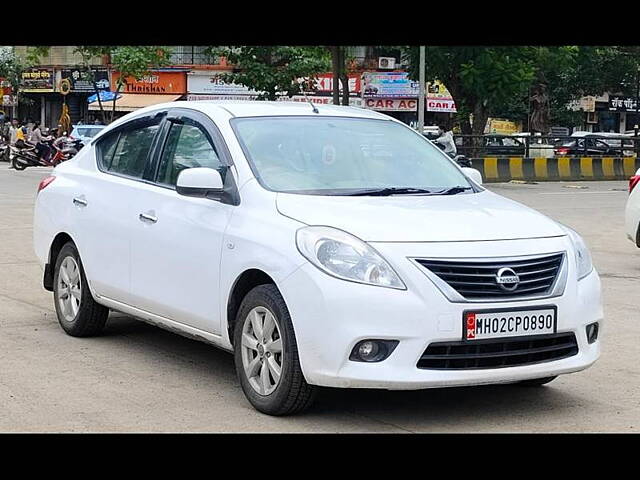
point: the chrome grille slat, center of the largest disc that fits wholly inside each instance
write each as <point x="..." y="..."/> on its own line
<point x="476" y="280"/>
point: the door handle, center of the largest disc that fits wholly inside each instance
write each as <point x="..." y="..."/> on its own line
<point x="80" y="201"/>
<point x="148" y="218"/>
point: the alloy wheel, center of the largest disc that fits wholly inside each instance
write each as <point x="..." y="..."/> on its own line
<point x="262" y="350"/>
<point x="69" y="289"/>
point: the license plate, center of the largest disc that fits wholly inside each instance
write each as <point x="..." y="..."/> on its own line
<point x="485" y="324"/>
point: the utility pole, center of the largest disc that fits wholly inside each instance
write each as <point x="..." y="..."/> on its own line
<point x="421" y="95"/>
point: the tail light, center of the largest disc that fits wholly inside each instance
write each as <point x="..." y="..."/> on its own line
<point x="45" y="182"/>
<point x="633" y="181"/>
<point x="562" y="151"/>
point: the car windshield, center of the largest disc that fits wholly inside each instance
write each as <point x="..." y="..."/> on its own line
<point x="345" y="156"/>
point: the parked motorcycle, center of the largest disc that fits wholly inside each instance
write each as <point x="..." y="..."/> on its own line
<point x="5" y="151"/>
<point x="62" y="149"/>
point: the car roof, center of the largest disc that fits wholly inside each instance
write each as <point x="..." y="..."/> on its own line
<point x="264" y="109"/>
<point x="241" y="109"/>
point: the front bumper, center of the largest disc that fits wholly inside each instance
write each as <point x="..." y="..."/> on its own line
<point x="330" y="316"/>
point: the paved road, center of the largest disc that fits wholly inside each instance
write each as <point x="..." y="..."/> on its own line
<point x="139" y="378"/>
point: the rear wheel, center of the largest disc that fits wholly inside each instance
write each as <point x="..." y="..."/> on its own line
<point x="78" y="313"/>
<point x="537" y="382"/>
<point x="266" y="355"/>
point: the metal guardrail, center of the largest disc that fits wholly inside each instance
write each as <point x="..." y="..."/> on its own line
<point x="546" y="145"/>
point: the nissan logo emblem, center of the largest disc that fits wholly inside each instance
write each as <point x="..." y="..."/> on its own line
<point x="507" y="279"/>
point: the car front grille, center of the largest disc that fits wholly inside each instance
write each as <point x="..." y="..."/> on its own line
<point x="499" y="352"/>
<point x="477" y="279"/>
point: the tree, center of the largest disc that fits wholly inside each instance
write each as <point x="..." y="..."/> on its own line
<point x="273" y="70"/>
<point x="136" y="62"/>
<point x="340" y="76"/>
<point x="480" y="79"/>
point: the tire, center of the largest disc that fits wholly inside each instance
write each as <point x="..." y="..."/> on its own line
<point x="537" y="382"/>
<point x="89" y="317"/>
<point x="17" y="164"/>
<point x="291" y="393"/>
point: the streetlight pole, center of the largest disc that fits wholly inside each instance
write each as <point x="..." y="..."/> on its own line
<point x="421" y="94"/>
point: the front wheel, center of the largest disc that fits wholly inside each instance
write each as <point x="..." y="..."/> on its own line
<point x="266" y="355"/>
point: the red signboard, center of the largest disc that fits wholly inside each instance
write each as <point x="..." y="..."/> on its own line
<point x="324" y="83"/>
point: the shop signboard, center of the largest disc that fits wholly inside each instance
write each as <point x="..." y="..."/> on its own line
<point x="501" y="127"/>
<point x="37" y="80"/>
<point x="236" y="98"/>
<point x="212" y="84"/>
<point x="80" y="82"/>
<point x="160" y="82"/>
<point x="439" y="99"/>
<point x="389" y="85"/>
<point x="324" y="84"/>
<point x="622" y="104"/>
<point x="392" y="104"/>
<point x="319" y="100"/>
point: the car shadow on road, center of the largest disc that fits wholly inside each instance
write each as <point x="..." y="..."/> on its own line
<point x="500" y="407"/>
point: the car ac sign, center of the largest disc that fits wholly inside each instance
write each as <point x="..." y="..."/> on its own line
<point x="507" y="279"/>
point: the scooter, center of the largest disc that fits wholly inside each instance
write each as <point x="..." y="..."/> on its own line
<point x="25" y="155"/>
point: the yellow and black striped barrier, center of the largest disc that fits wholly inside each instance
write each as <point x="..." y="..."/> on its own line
<point x="503" y="169"/>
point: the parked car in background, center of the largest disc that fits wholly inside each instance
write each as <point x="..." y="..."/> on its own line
<point x="86" y="132"/>
<point x="503" y="145"/>
<point x="584" y="146"/>
<point x="620" y="143"/>
<point x="632" y="210"/>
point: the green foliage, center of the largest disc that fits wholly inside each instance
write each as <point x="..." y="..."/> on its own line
<point x="273" y="70"/>
<point x="137" y="61"/>
<point x="497" y="79"/>
<point x="480" y="79"/>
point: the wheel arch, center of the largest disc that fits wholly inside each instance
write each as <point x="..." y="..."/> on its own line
<point x="56" y="245"/>
<point x="243" y="284"/>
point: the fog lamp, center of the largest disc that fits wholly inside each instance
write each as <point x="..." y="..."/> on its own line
<point x="372" y="350"/>
<point x="592" y="332"/>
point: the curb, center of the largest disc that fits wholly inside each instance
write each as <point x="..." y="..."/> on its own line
<point x="503" y="169"/>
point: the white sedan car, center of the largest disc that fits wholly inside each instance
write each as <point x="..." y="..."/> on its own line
<point x="323" y="246"/>
<point x="632" y="211"/>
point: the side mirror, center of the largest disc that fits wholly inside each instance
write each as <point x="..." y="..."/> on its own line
<point x="199" y="182"/>
<point x="474" y="174"/>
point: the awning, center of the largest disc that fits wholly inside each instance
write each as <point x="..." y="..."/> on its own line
<point x="130" y="102"/>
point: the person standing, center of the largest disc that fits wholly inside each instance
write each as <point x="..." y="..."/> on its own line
<point x="445" y="139"/>
<point x="13" y="131"/>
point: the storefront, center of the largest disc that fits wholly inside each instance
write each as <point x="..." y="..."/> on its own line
<point x="208" y="85"/>
<point x="38" y="101"/>
<point x="159" y="86"/>
<point x="82" y="88"/>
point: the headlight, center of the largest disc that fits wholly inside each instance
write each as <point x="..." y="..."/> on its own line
<point x="583" y="257"/>
<point x="347" y="257"/>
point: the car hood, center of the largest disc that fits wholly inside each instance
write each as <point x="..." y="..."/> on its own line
<point x="412" y="218"/>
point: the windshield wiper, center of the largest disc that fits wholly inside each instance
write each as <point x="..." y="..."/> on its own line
<point x="387" y="191"/>
<point x="453" y="190"/>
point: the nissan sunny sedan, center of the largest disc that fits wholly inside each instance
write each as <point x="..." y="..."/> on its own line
<point x="323" y="246"/>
